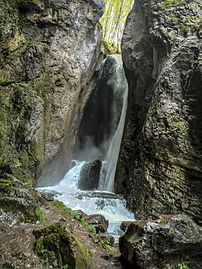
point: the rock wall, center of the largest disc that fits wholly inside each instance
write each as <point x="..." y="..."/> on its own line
<point x="49" y="51"/>
<point x="160" y="170"/>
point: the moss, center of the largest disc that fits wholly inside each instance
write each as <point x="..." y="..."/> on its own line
<point x="70" y="212"/>
<point x="16" y="206"/>
<point x="105" y="242"/>
<point x="22" y="159"/>
<point x="57" y="243"/>
<point x="5" y="183"/>
<point x="83" y="256"/>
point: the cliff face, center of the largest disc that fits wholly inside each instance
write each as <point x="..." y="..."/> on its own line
<point x="160" y="170"/>
<point x="48" y="51"/>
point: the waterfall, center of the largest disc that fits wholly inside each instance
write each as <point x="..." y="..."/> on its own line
<point x="99" y="137"/>
<point x="102" y="125"/>
<point x="110" y="161"/>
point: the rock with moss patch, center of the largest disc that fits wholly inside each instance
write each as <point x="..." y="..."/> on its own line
<point x="57" y="245"/>
<point x="99" y="222"/>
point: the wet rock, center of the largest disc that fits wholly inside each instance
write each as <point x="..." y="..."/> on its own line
<point x="56" y="244"/>
<point x="90" y="175"/>
<point x="163" y="243"/>
<point x="159" y="169"/>
<point x="46" y="47"/>
<point x="99" y="222"/>
<point x="19" y="203"/>
<point x="124" y="225"/>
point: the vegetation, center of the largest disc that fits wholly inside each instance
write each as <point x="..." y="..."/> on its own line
<point x="16" y="103"/>
<point x="105" y="242"/>
<point x="61" y="248"/>
<point x="68" y="210"/>
<point x="40" y="216"/>
<point x="113" y="22"/>
<point x="183" y="266"/>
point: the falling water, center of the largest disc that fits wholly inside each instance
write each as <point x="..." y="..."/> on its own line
<point x="110" y="161"/>
<point x="99" y="137"/>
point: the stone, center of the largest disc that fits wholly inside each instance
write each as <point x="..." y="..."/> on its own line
<point x="159" y="169"/>
<point x="49" y="52"/>
<point x="90" y="175"/>
<point x="163" y="244"/>
<point x="56" y="244"/>
<point x="124" y="225"/>
<point x="99" y="222"/>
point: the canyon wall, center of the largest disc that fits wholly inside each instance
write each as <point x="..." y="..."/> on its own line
<point x="49" y="52"/>
<point x="159" y="169"/>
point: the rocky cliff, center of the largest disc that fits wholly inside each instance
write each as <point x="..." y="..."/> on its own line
<point x="49" y="51"/>
<point x="160" y="170"/>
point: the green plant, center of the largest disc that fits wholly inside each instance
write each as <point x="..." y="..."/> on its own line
<point x="40" y="216"/>
<point x="21" y="256"/>
<point x="46" y="261"/>
<point x="55" y="263"/>
<point x="68" y="210"/>
<point x="183" y="266"/>
<point x="65" y="266"/>
<point x="104" y="242"/>
<point x="91" y="229"/>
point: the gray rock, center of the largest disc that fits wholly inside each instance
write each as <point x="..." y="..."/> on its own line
<point x="159" y="169"/>
<point x="163" y="243"/>
<point x="90" y="175"/>
<point x="49" y="51"/>
<point x="99" y="222"/>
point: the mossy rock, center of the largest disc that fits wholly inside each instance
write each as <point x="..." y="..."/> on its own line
<point x="5" y="183"/>
<point x="57" y="245"/>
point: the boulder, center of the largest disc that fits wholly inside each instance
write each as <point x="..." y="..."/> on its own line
<point x="90" y="175"/>
<point x="124" y="225"/>
<point x="57" y="245"/>
<point x="165" y="243"/>
<point x="99" y="222"/>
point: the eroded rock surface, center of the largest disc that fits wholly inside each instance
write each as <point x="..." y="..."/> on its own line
<point x="49" y="51"/>
<point x="160" y="170"/>
<point x="163" y="243"/>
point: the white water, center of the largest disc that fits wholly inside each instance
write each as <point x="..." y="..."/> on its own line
<point x="108" y="204"/>
<point x="109" y="164"/>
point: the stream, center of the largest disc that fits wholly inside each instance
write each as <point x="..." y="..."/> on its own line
<point x="108" y="204"/>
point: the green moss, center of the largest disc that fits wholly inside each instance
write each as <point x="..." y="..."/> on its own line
<point x="57" y="243"/>
<point x="70" y="212"/>
<point x="105" y="242"/>
<point x="20" y="158"/>
<point x="5" y="183"/>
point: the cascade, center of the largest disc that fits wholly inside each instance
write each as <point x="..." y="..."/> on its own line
<point x="99" y="138"/>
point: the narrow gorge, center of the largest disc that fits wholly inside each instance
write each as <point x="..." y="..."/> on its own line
<point x="100" y="134"/>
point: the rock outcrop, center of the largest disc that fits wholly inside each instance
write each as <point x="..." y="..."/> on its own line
<point x="61" y="248"/>
<point x="99" y="222"/>
<point x="169" y="242"/>
<point x="159" y="170"/>
<point x="49" y="52"/>
<point x="90" y="175"/>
